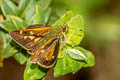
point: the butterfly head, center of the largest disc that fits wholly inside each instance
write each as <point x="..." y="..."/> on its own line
<point x="64" y="28"/>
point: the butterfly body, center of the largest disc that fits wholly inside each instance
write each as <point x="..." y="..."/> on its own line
<point x="41" y="41"/>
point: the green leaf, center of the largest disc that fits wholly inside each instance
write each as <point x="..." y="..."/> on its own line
<point x="69" y="64"/>
<point x="20" y="57"/>
<point x="13" y="23"/>
<point x="76" y="54"/>
<point x="22" y="6"/>
<point x="62" y="67"/>
<point x="34" y="71"/>
<point x="29" y="12"/>
<point x="66" y="65"/>
<point x="18" y="22"/>
<point x="76" y="30"/>
<point x="44" y="3"/>
<point x="40" y="19"/>
<point x="47" y="15"/>
<point x="1" y="47"/>
<point x="8" y="8"/>
<point x="90" y="57"/>
<point x="8" y="49"/>
<point x="63" y="20"/>
<point x="52" y="18"/>
<point x="8" y="26"/>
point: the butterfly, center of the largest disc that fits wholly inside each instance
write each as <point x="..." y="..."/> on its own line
<point x="41" y="42"/>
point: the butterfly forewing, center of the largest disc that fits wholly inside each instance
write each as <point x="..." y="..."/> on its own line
<point x="29" y="38"/>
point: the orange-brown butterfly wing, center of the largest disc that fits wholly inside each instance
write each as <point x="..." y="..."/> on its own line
<point x="46" y="56"/>
<point x="30" y="37"/>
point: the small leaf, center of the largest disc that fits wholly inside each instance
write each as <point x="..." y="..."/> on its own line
<point x="8" y="8"/>
<point x="20" y="57"/>
<point x="62" y="67"/>
<point x="13" y="23"/>
<point x="76" y="30"/>
<point x="76" y="54"/>
<point x="44" y="3"/>
<point x="75" y="64"/>
<point x="18" y="22"/>
<point x="8" y="49"/>
<point x="60" y="53"/>
<point x="29" y="12"/>
<point x="90" y="58"/>
<point x="22" y="6"/>
<point x="63" y="20"/>
<point x="47" y="15"/>
<point x="52" y="18"/>
<point x="34" y="71"/>
<point x="8" y="26"/>
<point x="40" y="19"/>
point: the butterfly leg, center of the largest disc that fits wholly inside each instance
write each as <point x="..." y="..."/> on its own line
<point x="64" y="41"/>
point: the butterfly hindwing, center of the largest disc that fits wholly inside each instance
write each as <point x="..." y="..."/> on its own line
<point x="47" y="56"/>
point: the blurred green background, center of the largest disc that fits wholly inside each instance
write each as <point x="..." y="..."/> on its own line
<point x="102" y="34"/>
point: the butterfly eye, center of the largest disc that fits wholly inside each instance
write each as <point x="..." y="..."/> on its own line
<point x="64" y="29"/>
